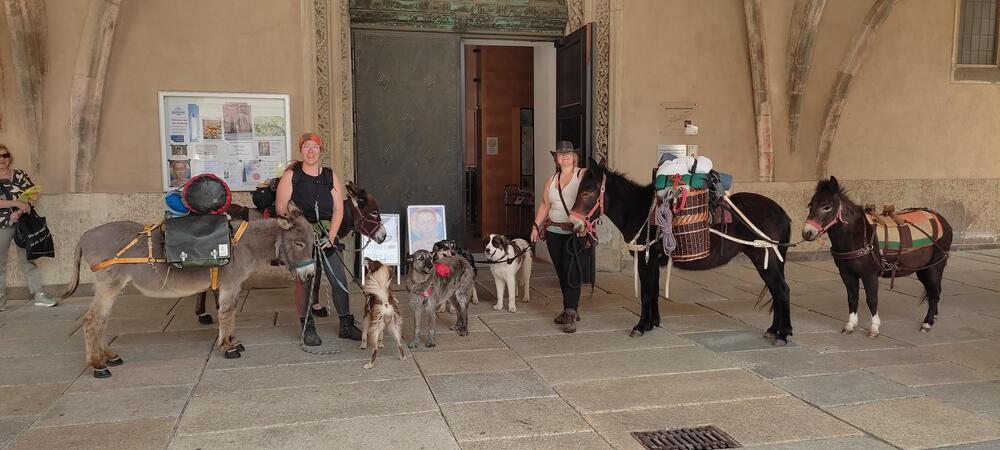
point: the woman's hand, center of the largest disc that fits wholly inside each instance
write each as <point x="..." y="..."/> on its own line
<point x="534" y="235"/>
<point x="330" y="241"/>
<point x="23" y="207"/>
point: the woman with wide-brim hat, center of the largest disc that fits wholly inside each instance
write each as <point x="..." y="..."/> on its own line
<point x="557" y="200"/>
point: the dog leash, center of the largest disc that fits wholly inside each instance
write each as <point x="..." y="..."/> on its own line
<point x="510" y="260"/>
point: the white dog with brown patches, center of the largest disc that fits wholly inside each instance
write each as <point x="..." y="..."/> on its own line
<point x="381" y="311"/>
<point x="511" y="266"/>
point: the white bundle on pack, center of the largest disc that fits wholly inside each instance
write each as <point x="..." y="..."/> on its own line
<point x="704" y="165"/>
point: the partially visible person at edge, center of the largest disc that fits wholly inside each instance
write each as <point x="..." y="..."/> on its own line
<point x="13" y="182"/>
<point x="554" y="210"/>
<point x="309" y="184"/>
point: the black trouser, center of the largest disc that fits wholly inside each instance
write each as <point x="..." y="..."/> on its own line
<point x="335" y="271"/>
<point x="574" y="265"/>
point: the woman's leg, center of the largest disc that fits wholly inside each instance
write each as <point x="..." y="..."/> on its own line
<point x="340" y="298"/>
<point x="6" y="235"/>
<point x="563" y="263"/>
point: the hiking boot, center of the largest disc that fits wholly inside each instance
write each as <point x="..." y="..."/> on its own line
<point x="561" y="318"/>
<point x="570" y="319"/>
<point x="43" y="299"/>
<point x="321" y="312"/>
<point x="347" y="328"/>
<point x="309" y="336"/>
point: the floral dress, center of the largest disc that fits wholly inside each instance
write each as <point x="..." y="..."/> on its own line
<point x="10" y="189"/>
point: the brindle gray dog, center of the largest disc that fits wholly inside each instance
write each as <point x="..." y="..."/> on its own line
<point x="289" y="239"/>
<point x="429" y="289"/>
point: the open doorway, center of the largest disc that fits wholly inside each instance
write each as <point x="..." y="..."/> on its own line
<point x="508" y="119"/>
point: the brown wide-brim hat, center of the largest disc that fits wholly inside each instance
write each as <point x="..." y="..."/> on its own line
<point x="563" y="147"/>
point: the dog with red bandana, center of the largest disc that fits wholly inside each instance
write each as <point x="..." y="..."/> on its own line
<point x="432" y="282"/>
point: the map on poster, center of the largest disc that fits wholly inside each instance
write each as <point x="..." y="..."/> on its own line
<point x="241" y="138"/>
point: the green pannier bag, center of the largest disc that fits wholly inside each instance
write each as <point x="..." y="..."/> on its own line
<point x="196" y="241"/>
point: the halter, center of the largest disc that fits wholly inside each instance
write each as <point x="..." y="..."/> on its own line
<point x="590" y="226"/>
<point x="822" y="228"/>
<point x="366" y="224"/>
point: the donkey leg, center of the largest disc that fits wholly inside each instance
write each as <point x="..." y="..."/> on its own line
<point x="774" y="279"/>
<point x="204" y="317"/>
<point x="931" y="279"/>
<point x="94" y="324"/>
<point x="871" y="297"/>
<point x="852" y="283"/>
<point x="227" y="341"/>
<point x="649" y="318"/>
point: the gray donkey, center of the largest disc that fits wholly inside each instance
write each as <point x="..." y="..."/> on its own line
<point x="288" y="238"/>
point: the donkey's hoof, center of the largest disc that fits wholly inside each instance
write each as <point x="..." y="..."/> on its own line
<point x="925" y="327"/>
<point x="847" y="331"/>
<point x="635" y="333"/>
<point x="779" y="342"/>
<point x="115" y="362"/>
<point x="873" y="335"/>
<point x="770" y="335"/>
<point x="102" y="373"/>
<point x="240" y="347"/>
<point x="232" y="354"/>
<point x="205" y="319"/>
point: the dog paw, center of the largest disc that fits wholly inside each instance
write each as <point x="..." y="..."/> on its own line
<point x="497" y="307"/>
<point x="463" y="332"/>
<point x="431" y="344"/>
<point x="524" y="300"/>
<point x="368" y="365"/>
<point x="413" y="344"/>
<point x="512" y="309"/>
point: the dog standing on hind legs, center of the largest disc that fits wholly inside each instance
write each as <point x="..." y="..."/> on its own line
<point x="512" y="266"/>
<point x="381" y="311"/>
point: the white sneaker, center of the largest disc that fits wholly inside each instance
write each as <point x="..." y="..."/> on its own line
<point x="43" y="299"/>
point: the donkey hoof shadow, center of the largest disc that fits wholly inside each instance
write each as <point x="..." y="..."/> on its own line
<point x="114" y="362"/>
<point x="205" y="319"/>
<point x="102" y="373"/>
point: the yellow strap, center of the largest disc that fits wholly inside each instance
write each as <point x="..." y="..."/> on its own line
<point x="215" y="278"/>
<point x="147" y="229"/>
<point x="110" y="262"/>
<point x="239" y="232"/>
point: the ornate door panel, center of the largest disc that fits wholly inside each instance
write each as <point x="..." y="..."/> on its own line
<point x="574" y="83"/>
<point x="406" y="97"/>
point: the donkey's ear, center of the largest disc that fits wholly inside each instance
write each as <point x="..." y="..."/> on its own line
<point x="834" y="184"/>
<point x="285" y="224"/>
<point x="293" y="211"/>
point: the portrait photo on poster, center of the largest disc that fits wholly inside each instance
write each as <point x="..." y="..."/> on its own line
<point x="180" y="172"/>
<point x="425" y="226"/>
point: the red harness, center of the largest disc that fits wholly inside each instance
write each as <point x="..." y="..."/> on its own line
<point x="822" y="228"/>
<point x="592" y="218"/>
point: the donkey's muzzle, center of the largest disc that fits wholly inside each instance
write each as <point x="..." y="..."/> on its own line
<point x="380" y="235"/>
<point x="810" y="232"/>
<point x="305" y="270"/>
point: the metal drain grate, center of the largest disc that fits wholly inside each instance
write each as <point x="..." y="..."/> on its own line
<point x="699" y="438"/>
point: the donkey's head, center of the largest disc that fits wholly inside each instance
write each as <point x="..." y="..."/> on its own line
<point x="589" y="204"/>
<point x="367" y="220"/>
<point x="825" y="209"/>
<point x="295" y="243"/>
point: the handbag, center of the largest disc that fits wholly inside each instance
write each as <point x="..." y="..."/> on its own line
<point x="31" y="232"/>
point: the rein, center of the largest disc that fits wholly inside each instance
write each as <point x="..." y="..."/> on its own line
<point x="517" y="255"/>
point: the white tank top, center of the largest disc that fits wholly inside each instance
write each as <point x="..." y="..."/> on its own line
<point x="557" y="213"/>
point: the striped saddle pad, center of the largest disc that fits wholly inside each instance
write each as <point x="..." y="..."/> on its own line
<point x="905" y="231"/>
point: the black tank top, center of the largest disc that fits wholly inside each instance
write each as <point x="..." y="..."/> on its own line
<point x="308" y="190"/>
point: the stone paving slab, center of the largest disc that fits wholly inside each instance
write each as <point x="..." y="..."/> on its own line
<point x="445" y="362"/>
<point x="803" y="322"/>
<point x="550" y="313"/>
<point x="879" y="358"/>
<point x="31" y="313"/>
<point x="986" y="445"/>
<point x="544" y="327"/>
<point x="598" y="341"/>
<point x="142" y="324"/>
<point x="480" y="387"/>
<point x="189" y="321"/>
<point x="115" y="406"/>
<point x="965" y="328"/>
<point x="838" y="342"/>
<point x="692" y="294"/>
<point x="10" y="427"/>
<point x="252" y="409"/>
<point x="734" y="341"/>
<point x="975" y="397"/>
<point x="918" y="423"/>
<point x="844" y="388"/>
<point x="665" y="390"/>
<point x="147" y="353"/>
<point x="559" y="370"/>
<point x="16" y="330"/>
<point x="480" y="340"/>
<point x="45" y="346"/>
<point x="984" y="354"/>
<point x="588" y="440"/>
<point x="512" y="419"/>
<point x="171" y="372"/>
<point x="301" y="375"/>
<point x="701" y="324"/>
<point x="41" y="369"/>
<point x="842" y="443"/>
<point x="130" y="434"/>
<point x="749" y="422"/>
<point x="30" y="399"/>
<point x="207" y="334"/>
<point x="787" y="362"/>
<point x="916" y="375"/>
<point x="419" y="430"/>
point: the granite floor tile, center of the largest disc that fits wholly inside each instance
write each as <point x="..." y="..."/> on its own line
<point x="115" y="406"/>
<point x="479" y="387"/>
<point x="512" y="418"/>
<point x="140" y="434"/>
<point x="563" y="369"/>
<point x="844" y="388"/>
<point x="918" y="423"/>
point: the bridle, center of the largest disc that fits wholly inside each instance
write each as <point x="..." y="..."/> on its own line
<point x="365" y="223"/>
<point x="593" y="217"/>
<point x="839" y="218"/>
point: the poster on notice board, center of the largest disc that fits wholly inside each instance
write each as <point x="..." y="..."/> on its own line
<point x="241" y="138"/>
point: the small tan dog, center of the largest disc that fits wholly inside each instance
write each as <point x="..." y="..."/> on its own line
<point x="381" y="311"/>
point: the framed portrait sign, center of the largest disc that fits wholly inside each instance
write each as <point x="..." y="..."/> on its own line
<point x="425" y="225"/>
<point x="241" y="138"/>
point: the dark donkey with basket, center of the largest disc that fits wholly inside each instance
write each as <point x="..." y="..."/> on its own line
<point x="866" y="245"/>
<point x="631" y="208"/>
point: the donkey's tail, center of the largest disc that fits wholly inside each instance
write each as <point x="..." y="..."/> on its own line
<point x="75" y="281"/>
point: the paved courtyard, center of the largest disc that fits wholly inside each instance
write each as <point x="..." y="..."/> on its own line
<point x="516" y="381"/>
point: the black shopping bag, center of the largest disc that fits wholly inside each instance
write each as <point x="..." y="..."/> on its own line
<point x="31" y="232"/>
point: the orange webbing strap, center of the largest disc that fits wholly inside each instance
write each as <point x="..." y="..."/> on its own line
<point x="236" y="238"/>
<point x="117" y="259"/>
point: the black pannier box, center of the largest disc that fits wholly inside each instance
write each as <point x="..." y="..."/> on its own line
<point x="196" y="241"/>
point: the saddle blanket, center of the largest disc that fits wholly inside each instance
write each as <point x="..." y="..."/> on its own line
<point x="905" y="231"/>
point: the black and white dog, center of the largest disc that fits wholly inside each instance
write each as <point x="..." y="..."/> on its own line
<point x="512" y="266"/>
<point x="449" y="247"/>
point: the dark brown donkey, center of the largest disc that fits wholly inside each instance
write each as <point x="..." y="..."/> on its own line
<point x="859" y="255"/>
